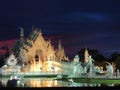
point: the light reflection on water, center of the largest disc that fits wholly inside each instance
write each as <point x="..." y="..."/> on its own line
<point x="44" y="82"/>
<point x="37" y="82"/>
<point x="50" y="82"/>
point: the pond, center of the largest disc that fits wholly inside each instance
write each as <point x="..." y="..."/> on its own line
<point x="49" y="82"/>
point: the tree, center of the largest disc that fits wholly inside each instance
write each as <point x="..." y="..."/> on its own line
<point x="1" y="62"/>
<point x="114" y="56"/>
<point x="94" y="53"/>
<point x="117" y="62"/>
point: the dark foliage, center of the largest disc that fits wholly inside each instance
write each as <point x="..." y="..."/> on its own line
<point x="94" y="53"/>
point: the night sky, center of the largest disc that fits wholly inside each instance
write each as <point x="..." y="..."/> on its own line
<point x="78" y="24"/>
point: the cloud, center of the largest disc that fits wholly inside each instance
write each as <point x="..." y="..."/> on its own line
<point x="107" y="53"/>
<point x="8" y="43"/>
<point x="86" y="17"/>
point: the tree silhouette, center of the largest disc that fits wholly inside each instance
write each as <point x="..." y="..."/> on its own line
<point x="95" y="54"/>
<point x="114" y="56"/>
<point x="117" y="63"/>
<point x="6" y="55"/>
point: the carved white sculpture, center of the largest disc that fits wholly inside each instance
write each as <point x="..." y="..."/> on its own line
<point x="109" y="69"/>
<point x="11" y="61"/>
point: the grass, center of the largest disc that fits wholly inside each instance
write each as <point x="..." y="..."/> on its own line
<point x="94" y="80"/>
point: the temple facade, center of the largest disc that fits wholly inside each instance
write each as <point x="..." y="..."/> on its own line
<point x="35" y="54"/>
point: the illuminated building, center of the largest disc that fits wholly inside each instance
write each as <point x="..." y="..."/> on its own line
<point x="86" y="55"/>
<point x="35" y="54"/>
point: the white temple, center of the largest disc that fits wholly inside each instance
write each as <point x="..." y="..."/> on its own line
<point x="37" y="55"/>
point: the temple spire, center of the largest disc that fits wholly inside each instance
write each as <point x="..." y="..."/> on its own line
<point x="86" y="55"/>
<point x="21" y="33"/>
<point x="59" y="46"/>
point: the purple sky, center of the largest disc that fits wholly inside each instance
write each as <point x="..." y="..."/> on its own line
<point x="77" y="23"/>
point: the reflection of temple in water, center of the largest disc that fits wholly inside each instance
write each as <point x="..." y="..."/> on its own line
<point x="43" y="83"/>
<point x="35" y="54"/>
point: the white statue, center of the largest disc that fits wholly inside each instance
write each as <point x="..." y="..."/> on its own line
<point x="76" y="59"/>
<point x="97" y="69"/>
<point x="118" y="72"/>
<point x="84" y="70"/>
<point x="76" y="69"/>
<point x="90" y="60"/>
<point x="109" y="69"/>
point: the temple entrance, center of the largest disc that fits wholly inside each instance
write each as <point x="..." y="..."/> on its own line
<point x="36" y="58"/>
